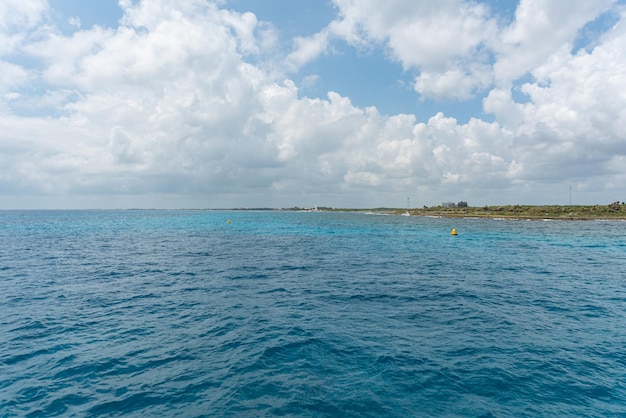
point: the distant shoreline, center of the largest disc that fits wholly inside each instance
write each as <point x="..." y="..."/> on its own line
<point x="614" y="211"/>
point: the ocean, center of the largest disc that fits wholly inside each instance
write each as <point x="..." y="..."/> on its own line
<point x="316" y="314"/>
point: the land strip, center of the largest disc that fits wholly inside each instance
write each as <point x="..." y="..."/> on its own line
<point x="613" y="211"/>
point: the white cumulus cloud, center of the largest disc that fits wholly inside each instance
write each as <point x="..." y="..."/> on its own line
<point x="175" y="107"/>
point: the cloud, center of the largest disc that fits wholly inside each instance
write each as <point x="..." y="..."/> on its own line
<point x="457" y="48"/>
<point x="540" y="28"/>
<point x="74" y="22"/>
<point x="454" y="83"/>
<point x="11" y="76"/>
<point x="575" y="111"/>
<point x="420" y="35"/>
<point x="307" y="49"/>
<point x="17" y="18"/>
<point x="445" y="42"/>
<point x="170" y="103"/>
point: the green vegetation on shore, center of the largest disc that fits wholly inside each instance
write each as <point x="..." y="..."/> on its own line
<point x="615" y="210"/>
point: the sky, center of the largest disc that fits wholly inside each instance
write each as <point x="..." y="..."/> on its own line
<point x="339" y="103"/>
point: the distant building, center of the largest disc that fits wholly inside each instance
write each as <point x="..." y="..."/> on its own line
<point x="461" y="204"/>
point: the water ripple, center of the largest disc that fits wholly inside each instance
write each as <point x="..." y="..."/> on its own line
<point x="177" y="313"/>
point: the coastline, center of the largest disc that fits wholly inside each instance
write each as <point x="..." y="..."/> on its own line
<point x="614" y="211"/>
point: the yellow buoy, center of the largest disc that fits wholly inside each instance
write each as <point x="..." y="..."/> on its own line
<point x="228" y="222"/>
<point x="453" y="232"/>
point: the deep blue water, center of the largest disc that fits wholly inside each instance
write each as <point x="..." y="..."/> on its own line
<point x="178" y="313"/>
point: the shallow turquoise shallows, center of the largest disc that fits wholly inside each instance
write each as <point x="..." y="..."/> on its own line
<point x="181" y="313"/>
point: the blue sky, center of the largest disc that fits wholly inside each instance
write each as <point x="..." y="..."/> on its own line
<point x="159" y="103"/>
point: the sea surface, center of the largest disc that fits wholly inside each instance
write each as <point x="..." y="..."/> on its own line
<point x="317" y="314"/>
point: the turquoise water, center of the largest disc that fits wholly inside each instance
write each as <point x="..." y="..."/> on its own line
<point x="178" y="313"/>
